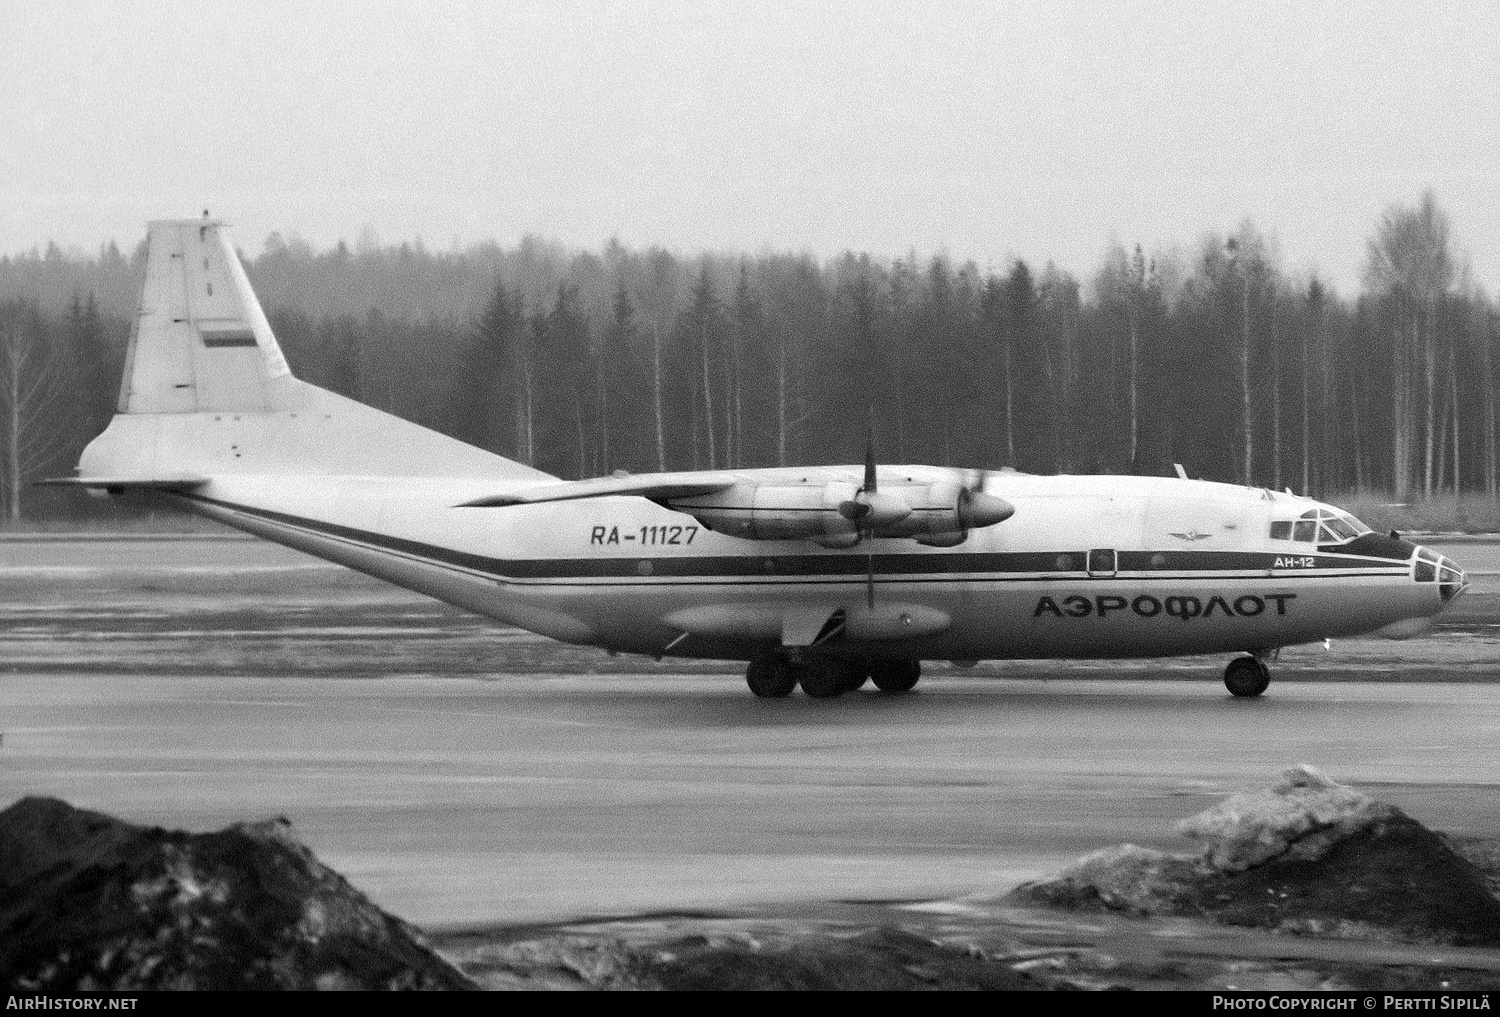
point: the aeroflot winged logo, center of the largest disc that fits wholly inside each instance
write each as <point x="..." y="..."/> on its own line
<point x="1191" y="535"/>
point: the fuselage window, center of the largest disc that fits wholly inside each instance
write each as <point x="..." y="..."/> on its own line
<point x="1281" y="529"/>
<point x="1306" y="530"/>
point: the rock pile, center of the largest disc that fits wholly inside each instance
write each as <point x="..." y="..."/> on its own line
<point x="727" y="954"/>
<point x="88" y="902"/>
<point x="1306" y="856"/>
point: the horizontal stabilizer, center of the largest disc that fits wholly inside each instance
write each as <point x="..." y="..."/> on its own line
<point x="184" y="482"/>
<point x="655" y="486"/>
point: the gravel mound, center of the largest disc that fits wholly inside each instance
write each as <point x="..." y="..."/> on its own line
<point x="88" y="902"/>
<point x="1305" y="856"/>
<point x="778" y="955"/>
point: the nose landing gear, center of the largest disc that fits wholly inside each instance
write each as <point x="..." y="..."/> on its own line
<point x="1247" y="677"/>
<point x="777" y="673"/>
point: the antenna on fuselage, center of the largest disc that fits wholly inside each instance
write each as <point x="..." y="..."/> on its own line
<point x="1181" y="473"/>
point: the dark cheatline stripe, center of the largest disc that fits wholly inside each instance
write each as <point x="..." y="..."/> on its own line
<point x="791" y="567"/>
<point x="1230" y="561"/>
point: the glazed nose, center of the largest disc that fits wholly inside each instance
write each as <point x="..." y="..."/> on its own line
<point x="1435" y="568"/>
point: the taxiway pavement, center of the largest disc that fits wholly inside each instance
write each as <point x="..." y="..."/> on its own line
<point x="537" y="797"/>
<point x="195" y="686"/>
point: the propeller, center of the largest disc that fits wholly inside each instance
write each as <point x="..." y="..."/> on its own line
<point x="972" y="508"/>
<point x="869" y="509"/>
<point x="977" y="509"/>
<point x="872" y="511"/>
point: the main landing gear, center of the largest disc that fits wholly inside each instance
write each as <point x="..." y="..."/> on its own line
<point x="823" y="677"/>
<point x="1246" y="677"/>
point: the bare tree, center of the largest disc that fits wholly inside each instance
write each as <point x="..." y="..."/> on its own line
<point x="743" y="334"/>
<point x="1137" y="301"/>
<point x="1312" y="338"/>
<point x="33" y="431"/>
<point x="658" y="421"/>
<point x="703" y="327"/>
<point x="1484" y="332"/>
<point x="1241" y="271"/>
<point x="1410" y="264"/>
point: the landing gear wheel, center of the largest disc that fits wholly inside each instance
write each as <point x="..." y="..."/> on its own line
<point x="824" y="677"/>
<point x="771" y="676"/>
<point x="1246" y="677"/>
<point x="896" y="675"/>
<point x="858" y="675"/>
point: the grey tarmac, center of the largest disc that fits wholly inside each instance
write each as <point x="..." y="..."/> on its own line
<point x="465" y="774"/>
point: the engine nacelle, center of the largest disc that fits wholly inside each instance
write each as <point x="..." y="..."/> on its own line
<point x="765" y="512"/>
<point x="941" y="514"/>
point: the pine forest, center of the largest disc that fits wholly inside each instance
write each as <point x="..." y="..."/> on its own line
<point x="583" y="363"/>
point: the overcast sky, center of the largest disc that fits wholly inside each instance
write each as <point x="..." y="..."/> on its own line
<point x="987" y="130"/>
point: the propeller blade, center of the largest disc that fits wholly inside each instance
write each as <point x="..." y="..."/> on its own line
<point x="872" y="503"/>
<point x="854" y="510"/>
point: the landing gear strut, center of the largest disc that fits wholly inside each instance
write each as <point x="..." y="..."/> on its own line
<point x="1247" y="677"/>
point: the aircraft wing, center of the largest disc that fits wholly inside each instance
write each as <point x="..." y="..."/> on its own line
<point x="657" y="487"/>
<point x="824" y="506"/>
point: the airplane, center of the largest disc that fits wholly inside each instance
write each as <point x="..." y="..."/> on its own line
<point x="821" y="578"/>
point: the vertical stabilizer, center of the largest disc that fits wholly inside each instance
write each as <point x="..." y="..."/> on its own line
<point x="201" y="341"/>
<point x="207" y="391"/>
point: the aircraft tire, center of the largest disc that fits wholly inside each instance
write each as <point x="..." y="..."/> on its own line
<point x="823" y="677"/>
<point x="855" y="680"/>
<point x="771" y="676"/>
<point x="896" y="675"/>
<point x="1246" y="677"/>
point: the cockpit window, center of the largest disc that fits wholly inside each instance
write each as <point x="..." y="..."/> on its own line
<point x="1341" y="530"/>
<point x="1360" y="529"/>
<point x="1319" y="526"/>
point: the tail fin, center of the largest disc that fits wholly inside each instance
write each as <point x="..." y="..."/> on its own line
<point x="207" y="391"/>
<point x="200" y="340"/>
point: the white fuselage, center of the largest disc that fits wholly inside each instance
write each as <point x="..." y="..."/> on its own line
<point x="883" y="565"/>
<point x="1178" y="567"/>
